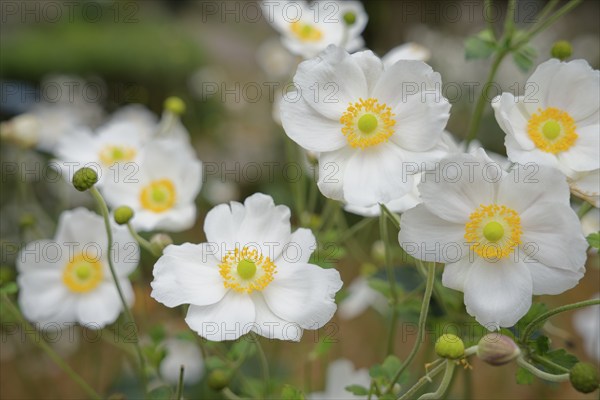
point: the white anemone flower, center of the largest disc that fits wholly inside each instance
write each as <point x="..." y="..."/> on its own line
<point x="252" y="274"/>
<point x="491" y="229"/>
<point x="341" y="374"/>
<point x="163" y="189"/>
<point x="587" y="324"/>
<point x="361" y="296"/>
<point x="307" y="29"/>
<point x="182" y="352"/>
<point x="556" y="121"/>
<point x="67" y="279"/>
<point x="373" y="127"/>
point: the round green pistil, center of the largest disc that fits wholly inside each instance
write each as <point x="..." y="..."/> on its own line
<point x="367" y="123"/>
<point x="493" y="231"/>
<point x="159" y="195"/>
<point x="349" y="18"/>
<point x="246" y="269"/>
<point x="551" y="130"/>
<point x="83" y="272"/>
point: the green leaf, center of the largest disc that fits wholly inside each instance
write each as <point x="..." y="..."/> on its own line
<point x="535" y="311"/>
<point x="9" y="288"/>
<point x="524" y="57"/>
<point x="290" y="392"/>
<point x="357" y="390"/>
<point x="594" y="240"/>
<point x="242" y="348"/>
<point x="562" y="358"/>
<point x="391" y="365"/>
<point x="542" y="345"/>
<point x="377" y="371"/>
<point x="524" y="377"/>
<point x="481" y="45"/>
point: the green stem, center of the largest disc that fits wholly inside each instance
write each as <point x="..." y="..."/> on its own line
<point x="421" y="382"/>
<point x="393" y="217"/>
<point x="143" y="242"/>
<point x="264" y="365"/>
<point x="487" y="4"/>
<point x="179" y="394"/>
<point x="548" y="8"/>
<point x="540" y="26"/>
<point x="41" y="343"/>
<point x="126" y="312"/>
<point x="347" y="234"/>
<point x="548" y="363"/>
<point x="421" y="325"/>
<point x="541" y="374"/>
<point x="444" y="384"/>
<point x="584" y="209"/>
<point x="536" y="321"/>
<point x="383" y="233"/>
<point x="509" y="21"/>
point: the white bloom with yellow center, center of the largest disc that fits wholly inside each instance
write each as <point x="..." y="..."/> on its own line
<point x="556" y="122"/>
<point x="67" y="279"/>
<point x="502" y="235"/>
<point x="163" y="189"/>
<point x="307" y="29"/>
<point x="252" y="274"/>
<point x="373" y="127"/>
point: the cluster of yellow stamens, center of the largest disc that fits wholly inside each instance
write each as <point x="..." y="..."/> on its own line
<point x="114" y="153"/>
<point x="158" y="196"/>
<point x="83" y="273"/>
<point x="493" y="231"/>
<point x="552" y="130"/>
<point x="367" y="123"/>
<point x="306" y="32"/>
<point x="246" y="270"/>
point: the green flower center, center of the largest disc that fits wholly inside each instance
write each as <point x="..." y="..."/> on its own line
<point x="246" y="269"/>
<point x="551" y="130"/>
<point x="83" y="271"/>
<point x="493" y="231"/>
<point x="367" y="123"/>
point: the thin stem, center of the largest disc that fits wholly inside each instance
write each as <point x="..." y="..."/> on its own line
<point x="126" y="312"/>
<point x="536" y="321"/>
<point x="509" y="21"/>
<point x="143" y="242"/>
<point x="393" y="217"/>
<point x="545" y="24"/>
<point x="548" y="363"/>
<point x="444" y="384"/>
<point x="179" y="394"/>
<point x="347" y="234"/>
<point x="541" y="374"/>
<point x="487" y="4"/>
<point x="383" y="233"/>
<point x="548" y="8"/>
<point x="425" y="379"/>
<point x="421" y="325"/>
<point x="264" y="365"/>
<point x="584" y="209"/>
<point x="41" y="343"/>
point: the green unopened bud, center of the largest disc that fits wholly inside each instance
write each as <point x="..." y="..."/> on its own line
<point x="218" y="380"/>
<point x="175" y="105"/>
<point x="123" y="215"/>
<point x="562" y="50"/>
<point x="349" y="18"/>
<point x="160" y="241"/>
<point x="84" y="179"/>
<point x="449" y="346"/>
<point x="584" y="377"/>
<point x="496" y="349"/>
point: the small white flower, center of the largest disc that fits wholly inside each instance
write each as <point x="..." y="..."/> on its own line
<point x="163" y="188"/>
<point x="492" y="230"/>
<point x="182" y="352"/>
<point x="307" y="29"/>
<point x="556" y="122"/>
<point x="68" y="279"/>
<point x="251" y="275"/>
<point x="361" y="296"/>
<point x="587" y="324"/>
<point x="373" y="127"/>
<point x="340" y="374"/>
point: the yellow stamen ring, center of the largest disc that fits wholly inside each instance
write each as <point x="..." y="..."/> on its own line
<point x="113" y="153"/>
<point x="367" y="123"/>
<point x="552" y="130"/>
<point x="493" y="231"/>
<point x="246" y="270"/>
<point x="82" y="274"/>
<point x="158" y="196"/>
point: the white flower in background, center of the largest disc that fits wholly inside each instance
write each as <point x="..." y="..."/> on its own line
<point x="556" y="122"/>
<point x="586" y="185"/>
<point x="587" y="324"/>
<point x="407" y="51"/>
<point x="67" y="279"/>
<point x="590" y="223"/>
<point x="374" y="127"/>
<point x="457" y="147"/>
<point x="491" y="229"/>
<point x="274" y="59"/>
<point x="251" y="275"/>
<point x="361" y="296"/>
<point x="162" y="190"/>
<point x="138" y="115"/>
<point x="340" y="374"/>
<point x="307" y="29"/>
<point x="182" y="352"/>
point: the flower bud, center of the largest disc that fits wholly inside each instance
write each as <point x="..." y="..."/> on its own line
<point x="123" y="215"/>
<point x="349" y="18"/>
<point x="84" y="178"/>
<point x="562" y="50"/>
<point x="175" y="105"/>
<point x="449" y="346"/>
<point x="584" y="377"/>
<point x="496" y="349"/>
<point x="160" y="241"/>
<point x="218" y="380"/>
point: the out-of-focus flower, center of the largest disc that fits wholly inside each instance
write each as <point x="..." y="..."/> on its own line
<point x="556" y="122"/>
<point x="586" y="185"/>
<point x="307" y="29"/>
<point x="590" y="223"/>
<point x="492" y="230"/>
<point x="587" y="324"/>
<point x="163" y="188"/>
<point x="371" y="132"/>
<point x="407" y="51"/>
<point x="67" y="279"/>
<point x="182" y="352"/>
<point x="341" y="374"/>
<point x="361" y="296"/>
<point x="274" y="59"/>
<point x="251" y="275"/>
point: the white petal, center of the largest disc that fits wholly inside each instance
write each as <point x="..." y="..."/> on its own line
<point x="498" y="294"/>
<point x="125" y="251"/>
<point x="228" y="319"/>
<point x="332" y="169"/>
<point x="304" y="294"/>
<point x="302" y="244"/>
<point x="270" y="325"/>
<point x="81" y="226"/>
<point x="584" y="155"/>
<point x="371" y="66"/>
<point x="42" y="256"/>
<point x="455" y="274"/>
<point x="102" y="306"/>
<point x="188" y="274"/>
<point x="221" y="225"/>
<point x="517" y="154"/>
<point x="512" y="117"/>
<point x="407" y="51"/>
<point x="177" y="219"/>
<point x="548" y="280"/>
<point x="587" y="186"/>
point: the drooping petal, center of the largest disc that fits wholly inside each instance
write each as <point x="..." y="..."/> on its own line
<point x="549" y="280"/>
